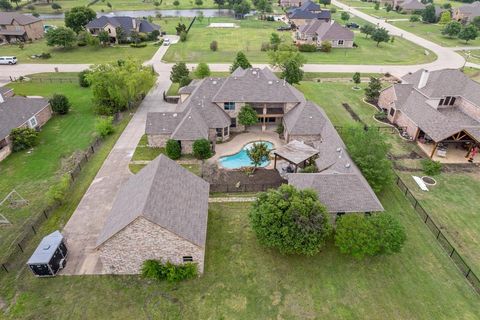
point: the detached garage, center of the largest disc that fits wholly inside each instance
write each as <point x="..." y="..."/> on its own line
<point x="49" y="257"/>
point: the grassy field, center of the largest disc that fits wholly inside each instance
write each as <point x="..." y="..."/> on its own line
<point x="472" y="55"/>
<point x="433" y="32"/>
<point x="252" y="33"/>
<point x="77" y="54"/>
<point x="117" y="5"/>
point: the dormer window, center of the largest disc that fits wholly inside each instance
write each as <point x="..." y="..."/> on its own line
<point x="229" y="106"/>
<point x="447" y="101"/>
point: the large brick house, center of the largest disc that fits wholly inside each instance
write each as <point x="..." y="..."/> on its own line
<point x="317" y="31"/>
<point x="307" y="12"/>
<point x="19" y="27"/>
<point x="17" y="112"/>
<point x="113" y="25"/>
<point x="440" y="109"/>
<point x="153" y="217"/>
<point x="467" y="12"/>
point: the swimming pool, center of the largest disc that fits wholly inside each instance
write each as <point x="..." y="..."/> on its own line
<point x="241" y="159"/>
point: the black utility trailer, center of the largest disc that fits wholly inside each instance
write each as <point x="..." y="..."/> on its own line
<point x="49" y="257"/>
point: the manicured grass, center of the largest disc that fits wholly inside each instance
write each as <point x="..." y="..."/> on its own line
<point x="243" y="280"/>
<point x="472" y="55"/>
<point x="173" y="89"/>
<point x="473" y="73"/>
<point x="433" y="32"/>
<point x="32" y="173"/>
<point x="168" y="24"/>
<point x="453" y="203"/>
<point x="77" y="54"/>
<point x="252" y="33"/>
<point x="143" y="152"/>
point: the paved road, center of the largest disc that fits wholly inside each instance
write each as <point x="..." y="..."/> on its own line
<point x="88" y="219"/>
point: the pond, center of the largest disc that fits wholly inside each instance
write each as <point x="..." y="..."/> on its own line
<point x="241" y="159"/>
<point x="189" y="13"/>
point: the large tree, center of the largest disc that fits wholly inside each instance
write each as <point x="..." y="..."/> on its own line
<point x="361" y="236"/>
<point x="367" y="29"/>
<point x="452" y="29"/>
<point x="369" y="151"/>
<point x="118" y="85"/>
<point x="380" y="35"/>
<point x="429" y="15"/>
<point x="258" y="153"/>
<point x="5" y="5"/>
<point x="325" y="2"/>
<point x="445" y="17"/>
<point x="202" y="70"/>
<point x="247" y="116"/>
<point x="241" y="9"/>
<point x="240" y="61"/>
<point x="292" y="71"/>
<point x="470" y="32"/>
<point x="219" y="3"/>
<point x="179" y="71"/>
<point x="290" y="220"/>
<point x="372" y="91"/>
<point x="61" y="37"/>
<point x="78" y="17"/>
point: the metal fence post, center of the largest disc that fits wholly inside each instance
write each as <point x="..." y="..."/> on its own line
<point x="21" y="249"/>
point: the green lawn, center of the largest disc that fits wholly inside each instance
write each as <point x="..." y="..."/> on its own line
<point x="472" y="55"/>
<point x="252" y="33"/>
<point x="31" y="174"/>
<point x="77" y="54"/>
<point x="473" y="73"/>
<point x="243" y="280"/>
<point x="433" y="33"/>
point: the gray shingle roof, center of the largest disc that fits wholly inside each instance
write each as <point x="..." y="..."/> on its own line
<point x="192" y="127"/>
<point x="296" y="152"/>
<point x="472" y="9"/>
<point x="412" y="5"/>
<point x="4" y="90"/>
<point x="6" y="18"/>
<point x="255" y="85"/>
<point x="166" y="194"/>
<point x="162" y="122"/>
<point x="305" y="119"/>
<point x="126" y="23"/>
<point x="327" y="30"/>
<point x="16" y="110"/>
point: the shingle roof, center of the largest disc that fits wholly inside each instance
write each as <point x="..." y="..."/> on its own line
<point x="256" y="85"/>
<point x="412" y="5"/>
<point x="310" y="6"/>
<point x="298" y="13"/>
<point x="4" y="90"/>
<point x="305" y="119"/>
<point x="296" y="152"/>
<point x="472" y="9"/>
<point x="327" y="30"/>
<point x="6" y="18"/>
<point x="192" y="127"/>
<point x="162" y="122"/>
<point x="16" y="110"/>
<point x="126" y="23"/>
<point x="166" y="194"/>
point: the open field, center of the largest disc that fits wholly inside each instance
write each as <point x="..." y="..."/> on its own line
<point x="244" y="281"/>
<point x="117" y="5"/>
<point x="433" y="32"/>
<point x="252" y="33"/>
<point x="77" y="54"/>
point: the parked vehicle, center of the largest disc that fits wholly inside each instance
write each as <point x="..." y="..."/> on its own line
<point x="352" y="25"/>
<point x="8" y="60"/>
<point x="166" y="42"/>
<point x="284" y="28"/>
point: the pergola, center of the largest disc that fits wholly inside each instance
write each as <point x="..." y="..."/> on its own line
<point x="296" y="153"/>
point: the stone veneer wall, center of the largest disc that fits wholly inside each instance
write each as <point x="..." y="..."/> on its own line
<point x="307" y="139"/>
<point x="387" y="98"/>
<point x="43" y="116"/>
<point x="187" y="146"/>
<point x="157" y="140"/>
<point x="5" y="151"/>
<point x="142" y="240"/>
<point x="469" y="108"/>
<point x="403" y="121"/>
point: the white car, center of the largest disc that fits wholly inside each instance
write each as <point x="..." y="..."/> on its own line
<point x="8" y="60"/>
<point x="166" y="42"/>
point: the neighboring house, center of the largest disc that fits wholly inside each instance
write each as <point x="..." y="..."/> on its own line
<point x="438" y="108"/>
<point x="317" y="31"/>
<point x="19" y="27"/>
<point x="339" y="183"/>
<point x="307" y="12"/>
<point x="290" y="3"/>
<point x="410" y="6"/>
<point x="209" y="108"/>
<point x="154" y="217"/>
<point x="17" y="112"/>
<point x="113" y="25"/>
<point x="467" y="12"/>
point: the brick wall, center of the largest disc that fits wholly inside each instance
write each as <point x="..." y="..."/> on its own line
<point x="187" y="146"/>
<point x="157" y="140"/>
<point x="5" y="151"/>
<point x="126" y="251"/>
<point x="43" y="116"/>
<point x="387" y="98"/>
<point x="403" y="121"/>
<point x="35" y="30"/>
<point x="469" y="109"/>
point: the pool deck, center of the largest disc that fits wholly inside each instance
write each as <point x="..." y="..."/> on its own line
<point x="233" y="146"/>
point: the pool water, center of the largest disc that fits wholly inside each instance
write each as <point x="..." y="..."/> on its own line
<point x="241" y="159"/>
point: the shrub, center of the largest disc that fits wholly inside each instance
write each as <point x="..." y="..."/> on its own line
<point x="202" y="149"/>
<point x="431" y="168"/>
<point x="23" y="138"/>
<point x="45" y="55"/>
<point x="104" y="126"/>
<point x="176" y="3"/>
<point x="82" y="80"/>
<point x="60" y="104"/>
<point x="184" y="81"/>
<point x="183" y="36"/>
<point x="202" y="70"/>
<point x="56" y="6"/>
<point x="310" y="169"/>
<point x="152" y="36"/>
<point x="36" y="14"/>
<point x="307" y="47"/>
<point x="214" y="45"/>
<point x="56" y="193"/>
<point x="154" y="269"/>
<point x="280" y="128"/>
<point x="31" y="7"/>
<point x="138" y="45"/>
<point x="247" y="116"/>
<point x="173" y="149"/>
<point x="333" y="10"/>
<point x="290" y="220"/>
<point x="326" y="46"/>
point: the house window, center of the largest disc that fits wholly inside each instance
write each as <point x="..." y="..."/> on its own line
<point x="187" y="258"/>
<point x="229" y="106"/>
<point x="441" y="102"/>
<point x="452" y="101"/>
<point x="392" y="112"/>
<point x="225" y="131"/>
<point x="233" y="123"/>
<point x="109" y="31"/>
<point x="32" y="122"/>
<point x="340" y="42"/>
<point x="219" y="132"/>
<point x="447" y="101"/>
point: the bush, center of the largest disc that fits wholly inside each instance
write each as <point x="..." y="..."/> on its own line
<point x="202" y="149"/>
<point x="31" y="7"/>
<point x="307" y="47"/>
<point x="183" y="36"/>
<point x="431" y="168"/>
<point x="56" y="194"/>
<point x="154" y="269"/>
<point x="158" y="43"/>
<point x="184" y="81"/>
<point x="36" y="14"/>
<point x="60" y="104"/>
<point x="280" y="128"/>
<point x="45" y="55"/>
<point x="360" y="236"/>
<point x="333" y="10"/>
<point x="152" y="36"/>
<point x="265" y="46"/>
<point x="104" y="126"/>
<point x="82" y="80"/>
<point x="23" y="138"/>
<point x="326" y="46"/>
<point x="310" y="169"/>
<point x="202" y="70"/>
<point x="173" y="149"/>
<point x="214" y="45"/>
<point x="138" y="45"/>
<point x="247" y="116"/>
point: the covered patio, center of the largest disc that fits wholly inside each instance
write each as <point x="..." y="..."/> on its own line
<point x="296" y="153"/>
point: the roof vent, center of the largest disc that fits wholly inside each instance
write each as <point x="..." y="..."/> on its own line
<point x="310" y="117"/>
<point x="254" y="72"/>
<point x="270" y="81"/>
<point x="339" y="149"/>
<point x="175" y="114"/>
<point x="163" y="114"/>
<point x="214" y="82"/>
<point x="423" y="79"/>
<point x="348" y="165"/>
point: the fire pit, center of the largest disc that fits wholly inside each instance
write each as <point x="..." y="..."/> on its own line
<point x="429" y="181"/>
